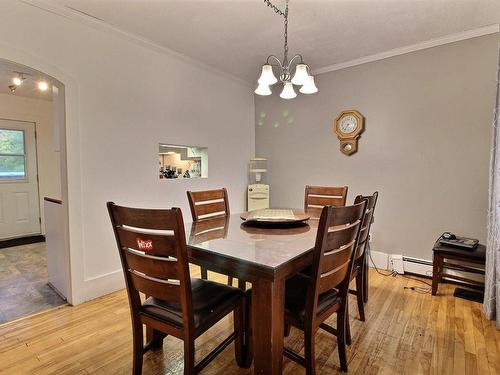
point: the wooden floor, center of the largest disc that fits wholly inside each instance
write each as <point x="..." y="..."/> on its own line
<point x="405" y="333"/>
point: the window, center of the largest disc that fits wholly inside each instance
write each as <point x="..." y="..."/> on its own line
<point x="12" y="155"/>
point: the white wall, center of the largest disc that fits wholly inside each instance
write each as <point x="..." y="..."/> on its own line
<point x="39" y="111"/>
<point x="425" y="147"/>
<point x="123" y="98"/>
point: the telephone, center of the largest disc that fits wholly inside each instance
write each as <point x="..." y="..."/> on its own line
<point x="448" y="236"/>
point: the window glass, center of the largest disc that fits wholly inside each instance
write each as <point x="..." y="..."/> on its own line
<point x="12" y="156"/>
<point x="11" y="142"/>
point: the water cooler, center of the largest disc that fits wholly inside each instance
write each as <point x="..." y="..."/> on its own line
<point x="258" y="190"/>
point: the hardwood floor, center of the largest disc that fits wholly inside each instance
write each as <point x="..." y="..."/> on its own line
<point x="405" y="333"/>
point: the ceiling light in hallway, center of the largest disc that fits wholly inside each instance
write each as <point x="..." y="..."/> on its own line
<point x="43" y="86"/>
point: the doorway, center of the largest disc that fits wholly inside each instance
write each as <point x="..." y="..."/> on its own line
<point x="31" y="171"/>
<point x="19" y="199"/>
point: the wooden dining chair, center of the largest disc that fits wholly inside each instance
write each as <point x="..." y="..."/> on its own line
<point x="311" y="299"/>
<point x="316" y="197"/>
<point x="209" y="204"/>
<point x="359" y="269"/>
<point x="153" y="253"/>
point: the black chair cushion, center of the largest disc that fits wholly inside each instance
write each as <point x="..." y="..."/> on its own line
<point x="211" y="302"/>
<point x="296" y="294"/>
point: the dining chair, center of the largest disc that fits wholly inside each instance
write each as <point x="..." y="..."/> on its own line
<point x="311" y="299"/>
<point x="316" y="197"/>
<point x="153" y="253"/>
<point x="360" y="266"/>
<point x="209" y="204"/>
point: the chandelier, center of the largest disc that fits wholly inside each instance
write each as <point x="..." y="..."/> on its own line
<point x="302" y="73"/>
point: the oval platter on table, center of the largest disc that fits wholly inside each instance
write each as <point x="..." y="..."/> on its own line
<point x="275" y="217"/>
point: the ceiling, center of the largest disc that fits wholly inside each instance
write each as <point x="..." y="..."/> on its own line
<point x="29" y="88"/>
<point x="237" y="35"/>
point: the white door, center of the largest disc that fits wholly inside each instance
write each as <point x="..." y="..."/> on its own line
<point x="19" y="202"/>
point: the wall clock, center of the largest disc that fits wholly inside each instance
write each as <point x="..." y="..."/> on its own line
<point x="348" y="125"/>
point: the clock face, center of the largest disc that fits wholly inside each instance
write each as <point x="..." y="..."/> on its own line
<point x="348" y="124"/>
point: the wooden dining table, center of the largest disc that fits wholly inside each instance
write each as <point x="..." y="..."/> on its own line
<point x="263" y="256"/>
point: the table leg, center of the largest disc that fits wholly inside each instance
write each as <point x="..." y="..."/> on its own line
<point x="435" y="273"/>
<point x="268" y="326"/>
<point x="365" y="278"/>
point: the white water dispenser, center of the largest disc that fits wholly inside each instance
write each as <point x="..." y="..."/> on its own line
<point x="258" y="190"/>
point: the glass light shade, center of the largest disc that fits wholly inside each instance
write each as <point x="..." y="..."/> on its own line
<point x="300" y="76"/>
<point x="288" y="91"/>
<point x="267" y="76"/>
<point x="263" y="90"/>
<point x="309" y="87"/>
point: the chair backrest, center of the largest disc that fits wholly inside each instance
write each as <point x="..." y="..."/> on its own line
<point x="337" y="238"/>
<point x="208" y="204"/>
<point x="152" y="247"/>
<point x="367" y="222"/>
<point x="316" y="197"/>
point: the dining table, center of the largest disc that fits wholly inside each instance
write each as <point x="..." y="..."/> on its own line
<point x="265" y="256"/>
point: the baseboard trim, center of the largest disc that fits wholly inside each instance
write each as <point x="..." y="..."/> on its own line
<point x="98" y="286"/>
<point x="21" y="241"/>
<point x="380" y="259"/>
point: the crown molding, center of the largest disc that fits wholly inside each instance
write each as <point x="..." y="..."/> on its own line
<point x="101" y="25"/>
<point x="98" y="24"/>
<point x="452" y="38"/>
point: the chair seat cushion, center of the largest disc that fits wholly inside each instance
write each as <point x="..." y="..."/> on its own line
<point x="296" y="294"/>
<point x="211" y="302"/>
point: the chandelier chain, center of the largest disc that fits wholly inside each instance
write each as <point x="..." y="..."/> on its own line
<point x="274" y="7"/>
<point x="286" y="35"/>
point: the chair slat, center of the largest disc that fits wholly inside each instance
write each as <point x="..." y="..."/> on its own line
<point x="335" y="258"/>
<point x="160" y="267"/>
<point x="325" y="201"/>
<point x="144" y="218"/>
<point x="211" y="208"/>
<point x="336" y="239"/>
<point x="161" y="289"/>
<point x="339" y="191"/>
<point x="343" y="217"/>
<point x="332" y="280"/>
<point x="363" y="234"/>
<point x="208" y="195"/>
<point x="155" y="244"/>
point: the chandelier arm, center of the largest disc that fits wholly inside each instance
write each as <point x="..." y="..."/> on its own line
<point x="297" y="56"/>
<point x="279" y="65"/>
<point x="275" y="58"/>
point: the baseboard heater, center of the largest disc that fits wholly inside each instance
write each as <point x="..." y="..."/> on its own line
<point x="423" y="267"/>
<point x="417" y="266"/>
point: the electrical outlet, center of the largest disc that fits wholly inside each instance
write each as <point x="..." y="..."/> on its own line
<point x="396" y="263"/>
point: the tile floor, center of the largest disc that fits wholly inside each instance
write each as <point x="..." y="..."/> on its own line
<point x="23" y="282"/>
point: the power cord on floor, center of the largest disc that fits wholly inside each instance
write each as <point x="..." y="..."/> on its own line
<point x="392" y="273"/>
<point x="417" y="289"/>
